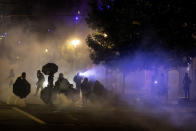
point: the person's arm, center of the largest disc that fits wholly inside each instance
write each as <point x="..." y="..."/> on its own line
<point x="37" y="75"/>
<point x="75" y="78"/>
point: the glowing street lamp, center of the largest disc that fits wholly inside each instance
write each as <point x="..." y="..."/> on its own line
<point x="73" y="45"/>
<point x="46" y="50"/>
<point x="75" y="42"/>
<point x="105" y="35"/>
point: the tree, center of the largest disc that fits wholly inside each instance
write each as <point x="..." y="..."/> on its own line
<point x="161" y="30"/>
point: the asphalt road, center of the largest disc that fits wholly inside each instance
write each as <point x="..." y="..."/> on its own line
<point x="93" y="117"/>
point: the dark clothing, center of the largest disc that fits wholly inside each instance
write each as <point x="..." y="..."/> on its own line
<point x="50" y="80"/>
<point x="78" y="80"/>
<point x="98" y="89"/>
<point x="186" y="86"/>
<point x="187" y="94"/>
<point x="62" y="84"/>
<point x="163" y="89"/>
<point x="21" y="87"/>
<point x="186" y="82"/>
<point x="85" y="89"/>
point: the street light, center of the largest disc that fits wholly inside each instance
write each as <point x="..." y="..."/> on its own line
<point x="105" y="35"/>
<point x="75" y="42"/>
<point x="46" y="50"/>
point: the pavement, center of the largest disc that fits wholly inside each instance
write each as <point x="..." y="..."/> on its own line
<point x="96" y="117"/>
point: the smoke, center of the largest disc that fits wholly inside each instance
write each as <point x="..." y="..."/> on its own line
<point x="27" y="50"/>
<point x="142" y="72"/>
<point x="24" y="51"/>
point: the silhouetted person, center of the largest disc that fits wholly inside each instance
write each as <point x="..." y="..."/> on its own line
<point x="11" y="77"/>
<point x="21" y="86"/>
<point x="99" y="92"/>
<point x="163" y="86"/>
<point x="98" y="88"/>
<point x="40" y="81"/>
<point x="186" y="85"/>
<point x="62" y="84"/>
<point x="92" y="81"/>
<point x="21" y="78"/>
<point x="78" y="80"/>
<point x="85" y="89"/>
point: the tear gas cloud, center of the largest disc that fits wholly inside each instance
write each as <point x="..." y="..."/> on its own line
<point x="140" y="75"/>
<point x="27" y="51"/>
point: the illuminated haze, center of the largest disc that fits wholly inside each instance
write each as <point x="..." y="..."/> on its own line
<point x="27" y="50"/>
<point x="28" y="45"/>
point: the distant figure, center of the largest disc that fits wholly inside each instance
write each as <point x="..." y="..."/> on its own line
<point x="21" y="87"/>
<point x="78" y="80"/>
<point x="154" y="87"/>
<point x="99" y="92"/>
<point x="85" y="89"/>
<point x="163" y="86"/>
<point x="98" y="88"/>
<point x="186" y="85"/>
<point x="92" y="81"/>
<point x="40" y="81"/>
<point x="62" y="84"/>
<point x="11" y="77"/>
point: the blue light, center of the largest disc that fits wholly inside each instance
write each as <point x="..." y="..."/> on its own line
<point x="155" y="82"/>
<point x="108" y="6"/>
<point x="87" y="73"/>
<point x="49" y="30"/>
<point x="100" y="8"/>
<point x="77" y="18"/>
<point x="82" y="74"/>
<point x="5" y="34"/>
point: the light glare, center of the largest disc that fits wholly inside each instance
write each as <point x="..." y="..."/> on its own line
<point x="45" y="84"/>
<point x="155" y="82"/>
<point x="105" y="35"/>
<point x="46" y="50"/>
<point x="75" y="42"/>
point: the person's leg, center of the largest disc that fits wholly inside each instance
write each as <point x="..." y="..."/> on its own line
<point x="188" y="94"/>
<point x="37" y="90"/>
<point x="185" y="93"/>
<point x="83" y="99"/>
<point x="42" y="87"/>
<point x="86" y="99"/>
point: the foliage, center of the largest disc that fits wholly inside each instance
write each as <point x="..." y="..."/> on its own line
<point x="160" y="30"/>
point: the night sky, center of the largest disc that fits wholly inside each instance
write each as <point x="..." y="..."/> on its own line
<point x="42" y="6"/>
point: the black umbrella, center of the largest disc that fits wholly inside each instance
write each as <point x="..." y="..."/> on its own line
<point x="21" y="88"/>
<point x="49" y="68"/>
